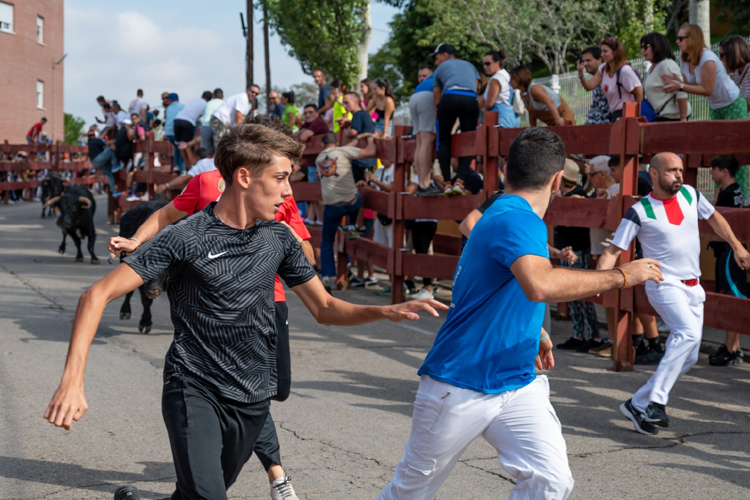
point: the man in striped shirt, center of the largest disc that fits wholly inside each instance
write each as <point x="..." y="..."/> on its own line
<point x="666" y="223"/>
<point x="220" y="370"/>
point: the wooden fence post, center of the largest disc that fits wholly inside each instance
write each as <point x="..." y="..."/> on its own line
<point x="396" y="202"/>
<point x="492" y="154"/>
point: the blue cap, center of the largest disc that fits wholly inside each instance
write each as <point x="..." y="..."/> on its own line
<point x="173" y="97"/>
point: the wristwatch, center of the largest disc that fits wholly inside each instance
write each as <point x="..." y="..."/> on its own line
<point x="682" y="85"/>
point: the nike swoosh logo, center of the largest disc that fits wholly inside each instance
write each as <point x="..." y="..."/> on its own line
<point x="213" y="256"/>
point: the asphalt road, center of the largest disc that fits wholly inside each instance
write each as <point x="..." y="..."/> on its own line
<point x="343" y="429"/>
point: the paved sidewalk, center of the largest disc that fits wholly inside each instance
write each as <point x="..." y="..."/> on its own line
<point x="343" y="429"/>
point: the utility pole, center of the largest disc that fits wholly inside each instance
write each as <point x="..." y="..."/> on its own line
<point x="266" y="53"/>
<point x="247" y="32"/>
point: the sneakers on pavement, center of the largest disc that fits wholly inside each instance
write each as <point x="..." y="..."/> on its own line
<point x="571" y="343"/>
<point x="606" y="352"/>
<point x="638" y="419"/>
<point x="602" y="346"/>
<point x="327" y="284"/>
<point x="356" y="282"/>
<point x="371" y="280"/>
<point x="127" y="492"/>
<point x="423" y="294"/>
<point x="283" y="490"/>
<point x="722" y="357"/>
<point x="657" y="414"/>
<point x="649" y="357"/>
<point x="588" y="345"/>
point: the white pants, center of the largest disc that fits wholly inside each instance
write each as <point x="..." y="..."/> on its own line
<point x="681" y="307"/>
<point x="521" y="425"/>
<point x="382" y="234"/>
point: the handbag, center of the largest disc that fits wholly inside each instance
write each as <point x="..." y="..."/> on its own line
<point x="648" y="111"/>
<point x="516" y="102"/>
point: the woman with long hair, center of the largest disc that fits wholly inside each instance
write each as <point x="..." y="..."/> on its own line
<point x="497" y="95"/>
<point x="384" y="104"/>
<point x="617" y="79"/>
<point x="704" y="74"/>
<point x="735" y="53"/>
<point x="543" y="103"/>
<point x="668" y="106"/>
<point x="291" y="112"/>
<point x="366" y="90"/>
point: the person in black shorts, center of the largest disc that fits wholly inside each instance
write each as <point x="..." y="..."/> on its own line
<point x="730" y="278"/>
<point x="220" y="370"/>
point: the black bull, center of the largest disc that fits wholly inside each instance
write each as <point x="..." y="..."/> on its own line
<point x="52" y="186"/>
<point x="76" y="219"/>
<point x="153" y="288"/>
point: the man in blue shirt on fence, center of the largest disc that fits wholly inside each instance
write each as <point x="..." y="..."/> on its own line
<point x="479" y="378"/>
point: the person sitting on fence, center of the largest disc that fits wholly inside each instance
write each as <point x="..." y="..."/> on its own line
<point x="617" y="79"/>
<point x="33" y="135"/>
<point x="422" y="111"/>
<point x="455" y="86"/>
<point x="735" y="53"/>
<point x="110" y="126"/>
<point x="666" y="106"/>
<point x="101" y="101"/>
<point x="590" y="60"/>
<point x="231" y="112"/>
<point x="666" y="223"/>
<point x="103" y="158"/>
<point x="314" y="125"/>
<point x="207" y="135"/>
<point x="185" y="122"/>
<point x="543" y="103"/>
<point x="139" y="107"/>
<point x="704" y="74"/>
<point x="383" y="103"/>
<point x="730" y="278"/>
<point x="340" y="195"/>
<point x="498" y="94"/>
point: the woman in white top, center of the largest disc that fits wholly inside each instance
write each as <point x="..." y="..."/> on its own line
<point x="497" y="95"/>
<point x="705" y="75"/>
<point x="669" y="106"/>
<point x="617" y="79"/>
<point x="735" y="53"/>
<point x="542" y="103"/>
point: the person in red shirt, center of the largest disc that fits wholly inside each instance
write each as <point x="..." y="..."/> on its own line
<point x="202" y="190"/>
<point x="33" y="136"/>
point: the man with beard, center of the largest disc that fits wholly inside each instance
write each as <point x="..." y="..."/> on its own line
<point x="666" y="223"/>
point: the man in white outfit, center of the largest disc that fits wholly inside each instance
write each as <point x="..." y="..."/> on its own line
<point x="479" y="377"/>
<point x="666" y="223"/>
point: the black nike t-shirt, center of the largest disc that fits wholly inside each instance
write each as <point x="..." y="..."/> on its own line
<point x="220" y="289"/>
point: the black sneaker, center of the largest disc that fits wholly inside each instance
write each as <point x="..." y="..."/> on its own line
<point x="722" y="357"/>
<point x="589" y="344"/>
<point x="127" y="492"/>
<point x="650" y="357"/>
<point x="430" y="191"/>
<point x="571" y="343"/>
<point x="638" y="419"/>
<point x="657" y="414"/>
<point x="356" y="282"/>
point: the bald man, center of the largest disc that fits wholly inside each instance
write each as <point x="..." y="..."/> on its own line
<point x="666" y="223"/>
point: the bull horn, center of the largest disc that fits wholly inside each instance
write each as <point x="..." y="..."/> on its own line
<point x="52" y="201"/>
<point x="84" y="200"/>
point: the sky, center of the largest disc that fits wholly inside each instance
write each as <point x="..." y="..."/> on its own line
<point x="183" y="46"/>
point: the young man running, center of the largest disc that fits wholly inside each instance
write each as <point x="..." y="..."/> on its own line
<point x="666" y="223"/>
<point x="221" y="368"/>
<point x="479" y="378"/>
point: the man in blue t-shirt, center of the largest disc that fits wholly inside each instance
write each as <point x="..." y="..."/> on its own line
<point x="361" y="124"/>
<point x="479" y="377"/>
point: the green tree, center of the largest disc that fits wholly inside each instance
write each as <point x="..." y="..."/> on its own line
<point x="626" y="21"/>
<point x="737" y="13"/>
<point x="73" y="129"/>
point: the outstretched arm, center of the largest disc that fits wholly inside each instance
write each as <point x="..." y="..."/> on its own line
<point x="328" y="310"/>
<point x="158" y="221"/>
<point x="721" y="227"/>
<point x="69" y="401"/>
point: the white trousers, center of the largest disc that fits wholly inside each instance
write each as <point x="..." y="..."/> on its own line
<point x="521" y="425"/>
<point x="681" y="308"/>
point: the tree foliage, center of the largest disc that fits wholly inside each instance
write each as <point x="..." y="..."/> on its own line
<point x="736" y="13"/>
<point x="320" y="34"/>
<point x="73" y="129"/>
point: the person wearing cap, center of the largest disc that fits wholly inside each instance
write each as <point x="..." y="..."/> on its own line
<point x="455" y="85"/>
<point x="582" y="314"/>
<point x="172" y="106"/>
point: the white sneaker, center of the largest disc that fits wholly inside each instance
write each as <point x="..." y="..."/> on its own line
<point x="284" y="490"/>
<point x="371" y="280"/>
<point x="661" y="326"/>
<point x="422" y="295"/>
<point x="133" y="197"/>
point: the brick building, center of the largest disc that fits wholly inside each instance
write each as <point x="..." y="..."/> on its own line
<point x="31" y="84"/>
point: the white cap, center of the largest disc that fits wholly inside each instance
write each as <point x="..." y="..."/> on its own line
<point x="127" y="121"/>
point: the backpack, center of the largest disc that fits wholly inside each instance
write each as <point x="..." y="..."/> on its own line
<point x="516" y="102"/>
<point x="619" y="85"/>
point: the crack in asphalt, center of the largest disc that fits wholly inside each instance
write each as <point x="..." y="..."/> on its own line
<point x="34" y="288"/>
<point x="491" y="472"/>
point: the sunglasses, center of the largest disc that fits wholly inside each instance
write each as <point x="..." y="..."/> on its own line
<point x="721" y="54"/>
<point x="645" y="46"/>
<point x="681" y="38"/>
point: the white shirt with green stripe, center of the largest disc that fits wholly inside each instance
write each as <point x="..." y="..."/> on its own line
<point x="668" y="231"/>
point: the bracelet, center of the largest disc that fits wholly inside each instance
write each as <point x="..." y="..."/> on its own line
<point x="136" y="240"/>
<point x="166" y="185"/>
<point x="624" y="276"/>
<point x="544" y="337"/>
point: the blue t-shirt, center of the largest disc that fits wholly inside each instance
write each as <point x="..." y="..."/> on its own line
<point x="169" y="115"/>
<point x="325" y="90"/>
<point x="362" y="123"/>
<point x="490" y="340"/>
<point x="456" y="74"/>
<point x="425" y="86"/>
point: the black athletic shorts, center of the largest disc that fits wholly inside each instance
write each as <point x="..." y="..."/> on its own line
<point x="283" y="355"/>
<point x="730" y="278"/>
<point x="184" y="131"/>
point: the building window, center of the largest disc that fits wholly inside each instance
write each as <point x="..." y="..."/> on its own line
<point x="40" y="94"/>
<point x="40" y="29"/>
<point x="6" y="17"/>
